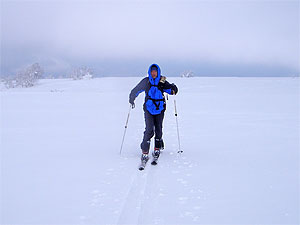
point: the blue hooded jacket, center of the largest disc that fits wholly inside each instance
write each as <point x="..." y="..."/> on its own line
<point x="154" y="88"/>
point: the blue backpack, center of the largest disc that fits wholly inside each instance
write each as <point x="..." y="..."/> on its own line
<point x="154" y="99"/>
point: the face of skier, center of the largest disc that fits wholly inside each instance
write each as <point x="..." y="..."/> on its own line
<point x="154" y="74"/>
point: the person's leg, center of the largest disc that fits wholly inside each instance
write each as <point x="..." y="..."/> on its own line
<point x="148" y="133"/>
<point x="158" y="123"/>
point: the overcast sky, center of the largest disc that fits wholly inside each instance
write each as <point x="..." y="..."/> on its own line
<point x="211" y="38"/>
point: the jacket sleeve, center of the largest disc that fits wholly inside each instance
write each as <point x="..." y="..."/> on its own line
<point x="139" y="88"/>
<point x="168" y="88"/>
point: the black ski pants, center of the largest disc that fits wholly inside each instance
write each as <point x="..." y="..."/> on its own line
<point x="153" y="125"/>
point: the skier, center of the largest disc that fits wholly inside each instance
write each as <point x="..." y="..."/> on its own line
<point x="154" y="107"/>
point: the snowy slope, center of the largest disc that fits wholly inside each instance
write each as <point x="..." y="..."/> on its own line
<point x="60" y="161"/>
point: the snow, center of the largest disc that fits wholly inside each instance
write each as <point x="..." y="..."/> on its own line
<point x="60" y="161"/>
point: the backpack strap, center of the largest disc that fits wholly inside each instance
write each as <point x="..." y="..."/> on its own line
<point x="159" y="87"/>
<point x="155" y="102"/>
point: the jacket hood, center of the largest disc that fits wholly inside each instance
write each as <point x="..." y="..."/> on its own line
<point x="156" y="80"/>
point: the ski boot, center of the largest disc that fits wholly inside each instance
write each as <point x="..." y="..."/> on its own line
<point x="144" y="160"/>
<point x="155" y="155"/>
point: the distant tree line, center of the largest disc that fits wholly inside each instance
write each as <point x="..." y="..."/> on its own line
<point x="187" y="73"/>
<point x="29" y="76"/>
<point x="25" y="78"/>
<point x="81" y="73"/>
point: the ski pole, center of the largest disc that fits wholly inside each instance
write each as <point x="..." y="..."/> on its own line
<point x="125" y="129"/>
<point x="179" y="149"/>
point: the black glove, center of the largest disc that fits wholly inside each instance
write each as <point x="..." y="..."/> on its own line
<point x="132" y="104"/>
<point x="174" y="88"/>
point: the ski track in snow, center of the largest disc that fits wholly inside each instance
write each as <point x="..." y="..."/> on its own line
<point x="134" y="199"/>
<point x="141" y="203"/>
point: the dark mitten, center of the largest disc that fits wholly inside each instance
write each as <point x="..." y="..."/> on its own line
<point x="131" y="103"/>
<point x="174" y="88"/>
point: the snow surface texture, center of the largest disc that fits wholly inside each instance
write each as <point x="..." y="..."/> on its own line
<point x="60" y="161"/>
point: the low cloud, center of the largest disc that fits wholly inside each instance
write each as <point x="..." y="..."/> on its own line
<point x="220" y="33"/>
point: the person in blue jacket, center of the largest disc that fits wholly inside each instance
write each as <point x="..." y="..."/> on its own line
<point x="154" y="86"/>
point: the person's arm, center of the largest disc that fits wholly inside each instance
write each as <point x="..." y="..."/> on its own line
<point x="139" y="88"/>
<point x="170" y="88"/>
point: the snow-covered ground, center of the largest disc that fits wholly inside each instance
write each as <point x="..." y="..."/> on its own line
<point x="60" y="161"/>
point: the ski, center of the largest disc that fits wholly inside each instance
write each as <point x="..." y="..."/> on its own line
<point x="154" y="162"/>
